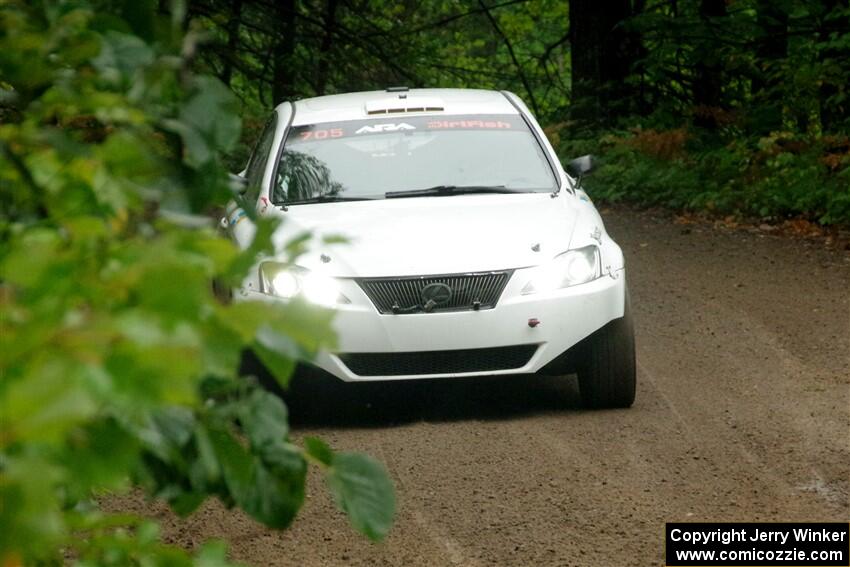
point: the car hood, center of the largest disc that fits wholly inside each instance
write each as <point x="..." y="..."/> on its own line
<point x="431" y="235"/>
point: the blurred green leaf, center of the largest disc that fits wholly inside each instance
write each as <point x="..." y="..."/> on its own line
<point x="270" y="498"/>
<point x="208" y="121"/>
<point x="98" y="456"/>
<point x="363" y="490"/>
<point x="318" y="450"/>
<point x="264" y="419"/>
<point x="121" y="55"/>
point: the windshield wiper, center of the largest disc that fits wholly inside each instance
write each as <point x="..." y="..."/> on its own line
<point x="326" y="199"/>
<point x="441" y="190"/>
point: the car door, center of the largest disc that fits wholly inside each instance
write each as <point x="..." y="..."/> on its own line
<point x="239" y="225"/>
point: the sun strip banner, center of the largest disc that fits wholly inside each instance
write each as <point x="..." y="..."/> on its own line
<point x="389" y="124"/>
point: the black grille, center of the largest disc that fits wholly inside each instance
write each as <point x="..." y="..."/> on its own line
<point x="404" y="295"/>
<point x="438" y="361"/>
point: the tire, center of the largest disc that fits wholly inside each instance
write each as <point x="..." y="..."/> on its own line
<point x="607" y="368"/>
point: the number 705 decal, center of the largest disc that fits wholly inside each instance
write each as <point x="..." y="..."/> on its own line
<point x="321" y="134"/>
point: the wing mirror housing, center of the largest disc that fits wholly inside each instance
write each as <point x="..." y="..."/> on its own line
<point x="581" y="166"/>
<point x="238" y="184"/>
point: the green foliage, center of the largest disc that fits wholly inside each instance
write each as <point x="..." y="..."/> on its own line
<point x="355" y="481"/>
<point x="770" y="142"/>
<point x="119" y="365"/>
<point x="332" y="47"/>
<point x="772" y="178"/>
<point x="351" y="478"/>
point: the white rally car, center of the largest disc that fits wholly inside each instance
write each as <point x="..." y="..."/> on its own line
<point x="471" y="251"/>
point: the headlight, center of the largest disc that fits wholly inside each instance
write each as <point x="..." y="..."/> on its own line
<point x="288" y="281"/>
<point x="570" y="268"/>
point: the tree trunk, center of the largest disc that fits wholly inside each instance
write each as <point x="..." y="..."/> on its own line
<point x="771" y="52"/>
<point x="708" y="74"/>
<point x="832" y="113"/>
<point x="283" y="69"/>
<point x="232" y="29"/>
<point x="602" y="55"/>
<point x="324" y="54"/>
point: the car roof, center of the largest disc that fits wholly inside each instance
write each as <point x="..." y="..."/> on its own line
<point x="398" y="103"/>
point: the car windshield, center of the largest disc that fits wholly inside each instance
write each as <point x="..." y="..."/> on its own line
<point x="366" y="159"/>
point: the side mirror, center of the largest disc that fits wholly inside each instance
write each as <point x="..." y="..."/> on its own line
<point x="238" y="184"/>
<point x="580" y="166"/>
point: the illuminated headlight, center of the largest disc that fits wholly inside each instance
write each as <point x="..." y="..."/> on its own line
<point x="570" y="268"/>
<point x="288" y="281"/>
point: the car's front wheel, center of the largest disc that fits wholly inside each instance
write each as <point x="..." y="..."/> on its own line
<point x="606" y="365"/>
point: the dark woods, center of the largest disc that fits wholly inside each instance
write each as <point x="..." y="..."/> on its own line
<point x="734" y="107"/>
<point x="776" y="61"/>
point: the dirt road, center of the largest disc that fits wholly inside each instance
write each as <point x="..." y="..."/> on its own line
<point x="742" y="414"/>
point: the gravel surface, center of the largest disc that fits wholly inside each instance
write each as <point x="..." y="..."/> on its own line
<point x="742" y="414"/>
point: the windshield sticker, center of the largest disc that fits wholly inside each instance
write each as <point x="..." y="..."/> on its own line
<point x="384" y="128"/>
<point x="469" y="124"/>
<point x="320" y="134"/>
<point x="365" y="128"/>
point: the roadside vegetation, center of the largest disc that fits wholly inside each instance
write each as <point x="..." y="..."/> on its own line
<point x="119" y="365"/>
<point x="729" y="108"/>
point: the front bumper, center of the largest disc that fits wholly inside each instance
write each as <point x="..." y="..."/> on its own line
<point x="566" y="317"/>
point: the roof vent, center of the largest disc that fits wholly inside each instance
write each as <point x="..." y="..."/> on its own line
<point x="401" y="106"/>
